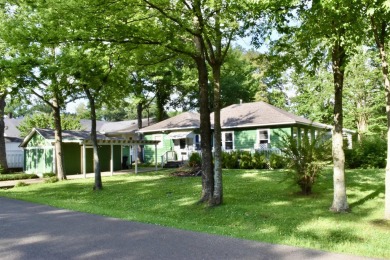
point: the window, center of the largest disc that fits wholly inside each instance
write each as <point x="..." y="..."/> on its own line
<point x="264" y="139"/>
<point x="158" y="138"/>
<point x="182" y="143"/>
<point x="227" y="140"/>
<point x="197" y="142"/>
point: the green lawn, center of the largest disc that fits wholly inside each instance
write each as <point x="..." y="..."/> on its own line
<point x="258" y="205"/>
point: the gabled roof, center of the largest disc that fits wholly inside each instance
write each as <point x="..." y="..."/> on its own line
<point x="258" y="114"/>
<point x="11" y="129"/>
<point x="185" y="121"/>
<point x="69" y="136"/>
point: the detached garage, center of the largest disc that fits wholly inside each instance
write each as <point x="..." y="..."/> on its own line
<point x="77" y="151"/>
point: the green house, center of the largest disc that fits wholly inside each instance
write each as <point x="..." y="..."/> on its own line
<point x="39" y="151"/>
<point x="245" y="126"/>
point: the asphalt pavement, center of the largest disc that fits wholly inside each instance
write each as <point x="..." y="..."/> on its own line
<point x="32" y="231"/>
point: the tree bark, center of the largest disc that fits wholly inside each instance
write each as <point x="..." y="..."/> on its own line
<point x="96" y="162"/>
<point x="218" y="188"/>
<point x="340" y="203"/>
<point x="380" y="35"/>
<point x="58" y="141"/>
<point x="3" y="152"/>
<point x="205" y="126"/>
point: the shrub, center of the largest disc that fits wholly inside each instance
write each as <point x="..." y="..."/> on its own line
<point x="277" y="161"/>
<point x="230" y="160"/>
<point x="48" y="175"/>
<point x="259" y="161"/>
<point x="2" y="171"/>
<point x="245" y="161"/>
<point x="370" y="152"/>
<point x="305" y="158"/>
<point x="195" y="160"/>
<point x="17" y="176"/>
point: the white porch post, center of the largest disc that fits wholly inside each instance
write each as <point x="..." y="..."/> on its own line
<point x="155" y="155"/>
<point x="112" y="160"/>
<point x="136" y="159"/>
<point x="84" y="162"/>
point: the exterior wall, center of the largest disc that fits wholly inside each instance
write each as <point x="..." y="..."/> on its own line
<point x="39" y="156"/>
<point x="165" y="145"/>
<point x="15" y="155"/>
<point x="244" y="139"/>
<point x="72" y="158"/>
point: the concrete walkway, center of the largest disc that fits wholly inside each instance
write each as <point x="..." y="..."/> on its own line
<point x="10" y="184"/>
<point x="31" y="231"/>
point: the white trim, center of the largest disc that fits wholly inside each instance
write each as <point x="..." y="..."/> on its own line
<point x="257" y="144"/>
<point x="223" y="134"/>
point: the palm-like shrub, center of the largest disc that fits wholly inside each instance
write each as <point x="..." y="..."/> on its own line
<point x="305" y="158"/>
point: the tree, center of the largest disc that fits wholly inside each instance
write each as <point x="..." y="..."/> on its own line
<point x="44" y="120"/>
<point x="378" y="14"/>
<point x="327" y="28"/>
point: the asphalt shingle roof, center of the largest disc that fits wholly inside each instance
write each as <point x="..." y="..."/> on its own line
<point x="258" y="114"/>
<point x="186" y="120"/>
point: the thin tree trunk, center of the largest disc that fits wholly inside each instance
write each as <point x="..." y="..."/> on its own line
<point x="340" y="203"/>
<point x="218" y="189"/>
<point x="139" y="118"/>
<point x="205" y="126"/>
<point x="96" y="162"/>
<point x="3" y="152"/>
<point x="58" y="141"/>
<point x="380" y="35"/>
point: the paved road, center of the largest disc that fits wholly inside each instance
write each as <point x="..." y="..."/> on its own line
<point x="32" y="231"/>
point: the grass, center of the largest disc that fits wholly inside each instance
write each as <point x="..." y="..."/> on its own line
<point x="257" y="206"/>
<point x="16" y="176"/>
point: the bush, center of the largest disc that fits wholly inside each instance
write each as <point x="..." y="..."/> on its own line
<point x="245" y="161"/>
<point x="370" y="152"/>
<point x="17" y="176"/>
<point x="259" y="161"/>
<point x="277" y="161"/>
<point x="20" y="184"/>
<point x="195" y="160"/>
<point x="49" y="175"/>
<point x="305" y="158"/>
<point x="230" y="160"/>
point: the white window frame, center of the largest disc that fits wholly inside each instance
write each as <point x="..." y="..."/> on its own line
<point x="258" y="136"/>
<point x="159" y="137"/>
<point x="224" y="140"/>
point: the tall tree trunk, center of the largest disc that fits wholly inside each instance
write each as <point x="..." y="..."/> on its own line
<point x="205" y="125"/>
<point x="140" y="107"/>
<point x="58" y="141"/>
<point x="340" y="203"/>
<point x="3" y="152"/>
<point x="380" y="35"/>
<point x="96" y="162"/>
<point x="218" y="189"/>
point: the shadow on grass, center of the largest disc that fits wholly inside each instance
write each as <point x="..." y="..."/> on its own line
<point x="370" y="196"/>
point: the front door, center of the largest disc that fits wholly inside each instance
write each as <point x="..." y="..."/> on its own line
<point x="181" y="148"/>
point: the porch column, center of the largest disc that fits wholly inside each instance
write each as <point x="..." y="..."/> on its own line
<point x="136" y="159"/>
<point x="84" y="162"/>
<point x="112" y="159"/>
<point x="155" y="155"/>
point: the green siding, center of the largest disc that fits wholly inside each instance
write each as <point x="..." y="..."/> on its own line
<point x="72" y="158"/>
<point x="149" y="150"/>
<point x="39" y="160"/>
<point x="244" y="139"/>
<point x="276" y="133"/>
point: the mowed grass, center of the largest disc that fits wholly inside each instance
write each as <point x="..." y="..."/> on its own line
<point x="258" y="205"/>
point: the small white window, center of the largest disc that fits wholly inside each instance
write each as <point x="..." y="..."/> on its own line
<point x="263" y="138"/>
<point x="228" y="140"/>
<point x="159" y="138"/>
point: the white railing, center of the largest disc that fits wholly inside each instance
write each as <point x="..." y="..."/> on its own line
<point x="15" y="158"/>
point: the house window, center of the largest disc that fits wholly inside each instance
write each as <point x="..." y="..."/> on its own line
<point x="182" y="143"/>
<point x="227" y="140"/>
<point x="197" y="142"/>
<point x="264" y="139"/>
<point x="159" y="138"/>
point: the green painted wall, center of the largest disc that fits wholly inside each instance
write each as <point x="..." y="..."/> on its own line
<point x="167" y="145"/>
<point x="72" y="158"/>
<point x="39" y="160"/>
<point x="244" y="139"/>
